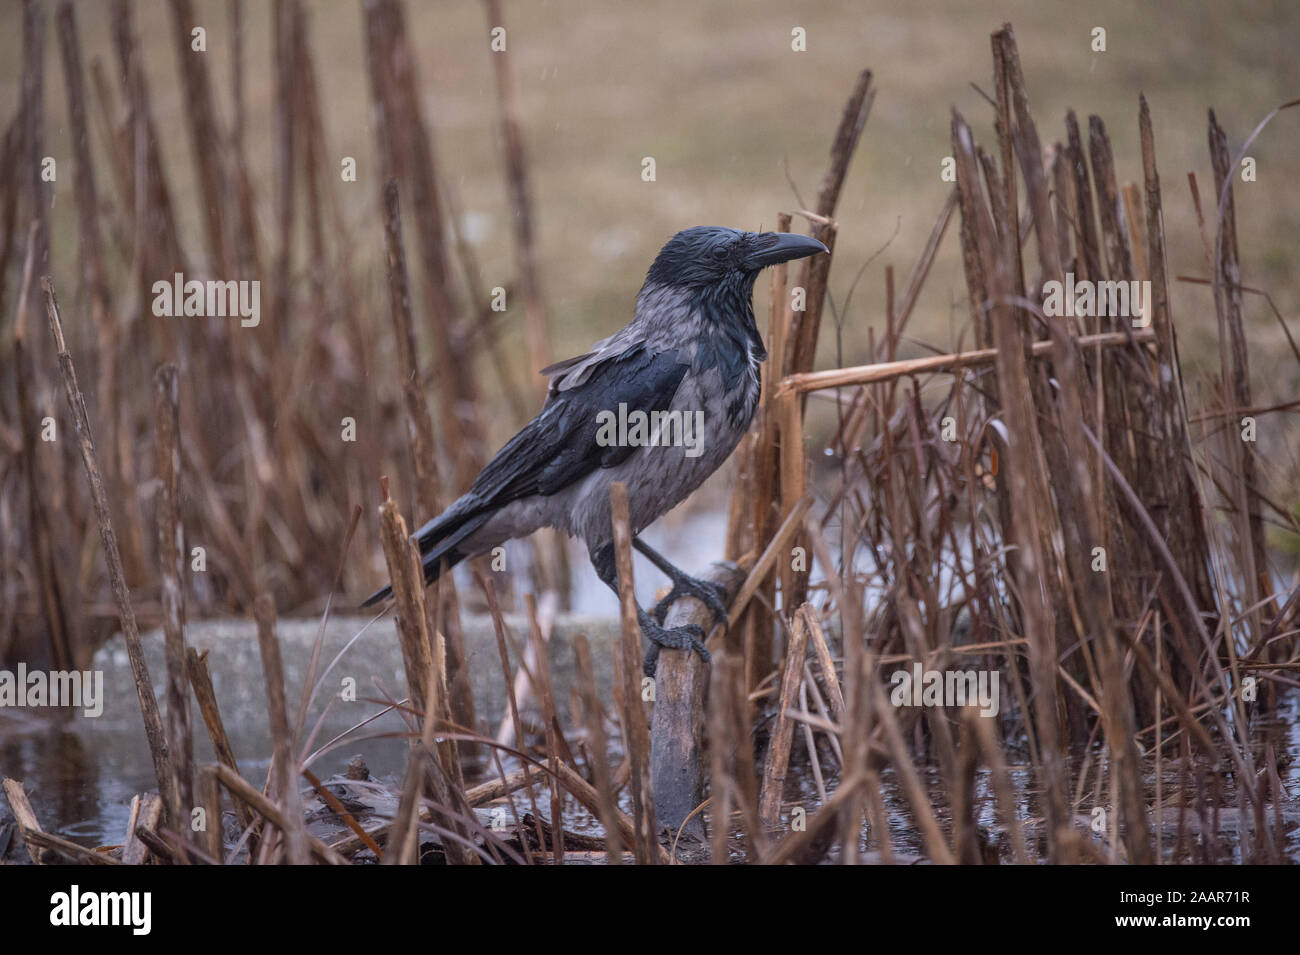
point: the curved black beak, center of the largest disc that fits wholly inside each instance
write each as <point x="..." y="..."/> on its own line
<point x="771" y="248"/>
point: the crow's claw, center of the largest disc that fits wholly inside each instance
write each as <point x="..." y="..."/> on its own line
<point x="705" y="591"/>
<point x="689" y="637"/>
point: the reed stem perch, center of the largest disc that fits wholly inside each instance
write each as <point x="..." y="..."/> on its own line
<point x="677" y="726"/>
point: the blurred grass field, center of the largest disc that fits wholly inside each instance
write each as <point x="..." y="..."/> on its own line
<point x="714" y="92"/>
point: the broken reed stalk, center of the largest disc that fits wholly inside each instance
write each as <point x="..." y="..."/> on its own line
<point x="734" y="781"/>
<point x="635" y="730"/>
<point x="965" y="831"/>
<point x="210" y="799"/>
<point x="755" y="498"/>
<point x="496" y="788"/>
<point x="801" y="348"/>
<point x="826" y="664"/>
<point x="678" y="722"/>
<point x="68" y="850"/>
<point x="722" y="742"/>
<point x="423" y="768"/>
<point x="776" y="457"/>
<point x="286" y="775"/>
<point x="153" y="724"/>
<point x="794" y="479"/>
<point x="1235" y="371"/>
<point x="778" y="545"/>
<point x="403" y="832"/>
<point x="25" y="816"/>
<point x="546" y="698"/>
<point x="598" y="747"/>
<point x="408" y="610"/>
<point x="201" y="682"/>
<point x="146" y="814"/>
<point x="521" y="685"/>
<point x="420" y="663"/>
<point x="777" y="465"/>
<point x="240" y="789"/>
<point x="170" y="849"/>
<point x="777" y="761"/>
<point x="858" y="671"/>
<point x="167" y="462"/>
<point x="978" y="358"/>
<point x="1002" y="788"/>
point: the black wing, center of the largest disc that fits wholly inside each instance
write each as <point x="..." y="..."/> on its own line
<point x="555" y="449"/>
<point x="558" y="447"/>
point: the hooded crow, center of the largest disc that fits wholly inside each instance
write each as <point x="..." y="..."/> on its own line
<point x="659" y="405"/>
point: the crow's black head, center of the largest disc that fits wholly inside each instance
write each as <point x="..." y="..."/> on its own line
<point x="715" y="256"/>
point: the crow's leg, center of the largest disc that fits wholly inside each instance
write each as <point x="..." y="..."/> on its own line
<point x="689" y="637"/>
<point x="705" y="591"/>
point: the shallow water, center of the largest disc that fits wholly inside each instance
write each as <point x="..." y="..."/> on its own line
<point x="81" y="773"/>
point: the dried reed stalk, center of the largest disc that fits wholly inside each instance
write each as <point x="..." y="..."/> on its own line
<point x="146" y="814"/>
<point x="24" y="815"/>
<point x="759" y="500"/>
<point x="210" y="796"/>
<point x="983" y="357"/>
<point x="272" y="813"/>
<point x="60" y="620"/>
<point x="777" y="762"/>
<point x="636" y="732"/>
<point x="423" y="659"/>
<point x="1235" y="370"/>
<point x="153" y="724"/>
<point x="680" y="714"/>
<point x="201" y="682"/>
<point x="734" y="781"/>
<point x="554" y="741"/>
<point x="171" y="549"/>
<point x="286" y="776"/>
<point x="598" y="746"/>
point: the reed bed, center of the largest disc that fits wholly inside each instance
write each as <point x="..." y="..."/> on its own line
<point x="1048" y="505"/>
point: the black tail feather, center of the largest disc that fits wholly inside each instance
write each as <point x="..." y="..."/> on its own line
<point x="437" y="542"/>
